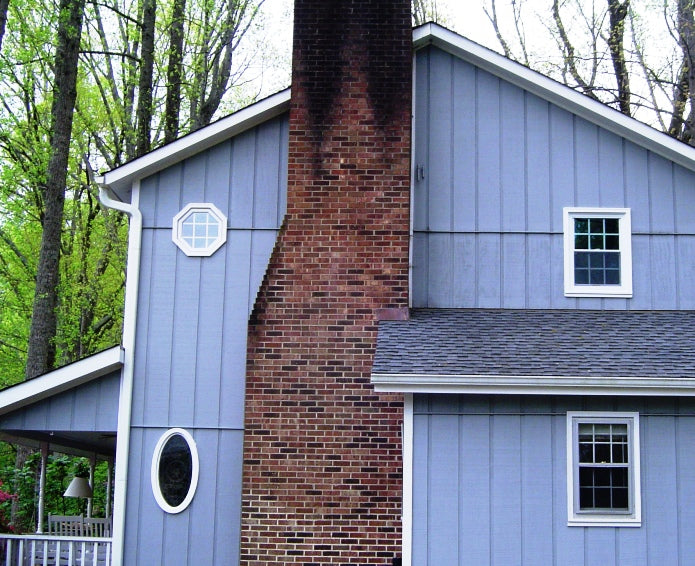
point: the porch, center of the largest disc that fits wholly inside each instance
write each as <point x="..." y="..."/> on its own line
<point x="72" y="410"/>
<point x="49" y="550"/>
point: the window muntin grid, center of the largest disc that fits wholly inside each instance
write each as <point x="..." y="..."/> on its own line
<point x="596" y="251"/>
<point x="604" y="466"/>
<point x="200" y="229"/>
<point x="603" y="469"/>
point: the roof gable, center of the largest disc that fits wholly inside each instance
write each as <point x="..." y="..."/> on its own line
<point x="554" y="92"/>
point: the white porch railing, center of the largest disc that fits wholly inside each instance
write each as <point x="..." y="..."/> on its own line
<point x="43" y="550"/>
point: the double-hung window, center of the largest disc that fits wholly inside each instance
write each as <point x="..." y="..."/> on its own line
<point x="598" y="256"/>
<point x="603" y="469"/>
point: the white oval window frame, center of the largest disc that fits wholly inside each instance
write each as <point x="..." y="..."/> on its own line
<point x="154" y="472"/>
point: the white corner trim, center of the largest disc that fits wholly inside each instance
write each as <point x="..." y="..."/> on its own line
<point x="407" y="518"/>
<point x="61" y="379"/>
<point x="154" y="470"/>
<point x="556" y="93"/>
<point x="125" y="398"/>
<point x="533" y="385"/>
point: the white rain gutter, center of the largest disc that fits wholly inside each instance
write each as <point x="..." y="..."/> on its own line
<point x="126" y="392"/>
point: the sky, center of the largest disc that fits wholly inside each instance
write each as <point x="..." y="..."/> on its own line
<point x="463" y="16"/>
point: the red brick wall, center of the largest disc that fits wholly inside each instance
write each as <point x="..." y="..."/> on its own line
<point x="322" y="465"/>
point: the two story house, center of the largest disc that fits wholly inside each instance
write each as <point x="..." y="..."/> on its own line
<point x="428" y="307"/>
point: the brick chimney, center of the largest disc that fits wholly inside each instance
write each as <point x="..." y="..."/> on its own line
<point x="322" y="450"/>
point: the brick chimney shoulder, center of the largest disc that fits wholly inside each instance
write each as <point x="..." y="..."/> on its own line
<point x="322" y="451"/>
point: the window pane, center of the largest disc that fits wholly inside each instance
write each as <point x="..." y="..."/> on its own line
<point x="586" y="453"/>
<point x="612" y="243"/>
<point x="612" y="225"/>
<point x="612" y="260"/>
<point x="602" y="452"/>
<point x="581" y="242"/>
<point x="596" y="241"/>
<point x="596" y="225"/>
<point x="581" y="260"/>
<point x="175" y="470"/>
<point x="581" y="276"/>
<point x="581" y="226"/>
<point x="621" y="498"/>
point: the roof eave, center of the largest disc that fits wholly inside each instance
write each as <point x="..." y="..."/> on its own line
<point x="59" y="380"/>
<point x="533" y="385"/>
<point x="556" y="93"/>
<point x="120" y="180"/>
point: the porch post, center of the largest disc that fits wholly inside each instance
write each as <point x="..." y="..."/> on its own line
<point x="109" y="471"/>
<point x="42" y="487"/>
<point x="92" y="465"/>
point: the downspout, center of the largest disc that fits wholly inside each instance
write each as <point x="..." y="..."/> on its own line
<point x="126" y="392"/>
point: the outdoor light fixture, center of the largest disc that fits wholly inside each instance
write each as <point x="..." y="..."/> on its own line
<point x="79" y="487"/>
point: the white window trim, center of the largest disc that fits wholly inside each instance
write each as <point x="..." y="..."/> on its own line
<point x="624" y="290"/>
<point x="177" y="228"/>
<point x="154" y="471"/>
<point x="589" y="519"/>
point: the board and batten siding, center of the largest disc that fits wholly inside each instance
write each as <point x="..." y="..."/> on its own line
<point x="91" y="406"/>
<point x="489" y="483"/>
<point x="495" y="165"/>
<point x="190" y="353"/>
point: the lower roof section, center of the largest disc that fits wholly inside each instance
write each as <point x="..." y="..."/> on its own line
<point x="588" y="352"/>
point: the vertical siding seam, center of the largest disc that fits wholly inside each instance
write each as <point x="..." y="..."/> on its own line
<point x="282" y="157"/>
<point x="173" y="294"/>
<point x="452" y="188"/>
<point x="553" y="485"/>
<point x="526" y="201"/>
<point x="254" y="168"/>
<point x="650" y="246"/>
<point x="491" y="484"/>
<point x="429" y="487"/>
<point x="676" y="255"/>
<point x="476" y="181"/>
<point x="679" y="529"/>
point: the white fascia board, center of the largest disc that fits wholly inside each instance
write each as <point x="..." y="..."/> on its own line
<point x="556" y="93"/>
<point x="59" y="380"/>
<point x="533" y="385"/>
<point x="120" y="179"/>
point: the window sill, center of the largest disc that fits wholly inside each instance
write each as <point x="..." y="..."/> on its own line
<point x="604" y="521"/>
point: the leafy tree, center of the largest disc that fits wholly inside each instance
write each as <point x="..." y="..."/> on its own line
<point x="608" y="52"/>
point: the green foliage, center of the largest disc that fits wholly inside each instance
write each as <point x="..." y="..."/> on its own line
<point x="59" y="472"/>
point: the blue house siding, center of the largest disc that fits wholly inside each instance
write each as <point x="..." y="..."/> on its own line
<point x="489" y="483"/>
<point x="207" y="531"/>
<point x="496" y="165"/>
<point x="92" y="406"/>
<point x="190" y="353"/>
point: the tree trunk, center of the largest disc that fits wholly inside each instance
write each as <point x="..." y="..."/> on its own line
<point x="41" y="353"/>
<point x="4" y="5"/>
<point x="618" y="14"/>
<point x="144" y="111"/>
<point x="174" y="72"/>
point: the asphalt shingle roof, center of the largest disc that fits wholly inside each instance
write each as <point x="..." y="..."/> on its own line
<point x="505" y="342"/>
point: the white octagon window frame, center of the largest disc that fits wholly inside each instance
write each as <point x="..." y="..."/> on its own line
<point x="185" y="234"/>
<point x="154" y="470"/>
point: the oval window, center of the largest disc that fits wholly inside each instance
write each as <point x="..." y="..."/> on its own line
<point x="174" y="470"/>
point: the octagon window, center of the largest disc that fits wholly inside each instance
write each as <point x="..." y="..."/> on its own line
<point x="199" y="229"/>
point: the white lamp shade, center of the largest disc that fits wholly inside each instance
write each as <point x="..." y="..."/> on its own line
<point x="79" y="487"/>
